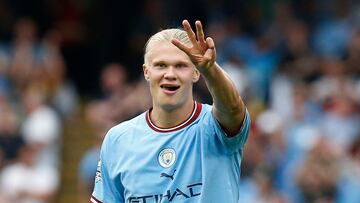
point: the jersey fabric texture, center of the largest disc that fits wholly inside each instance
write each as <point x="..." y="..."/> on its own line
<point x="191" y="163"/>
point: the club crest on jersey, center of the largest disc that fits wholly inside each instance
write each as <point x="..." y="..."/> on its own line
<point x="167" y="157"/>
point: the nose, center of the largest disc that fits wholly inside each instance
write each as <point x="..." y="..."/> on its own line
<point x="170" y="73"/>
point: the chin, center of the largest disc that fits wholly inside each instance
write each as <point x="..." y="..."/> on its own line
<point x="171" y="104"/>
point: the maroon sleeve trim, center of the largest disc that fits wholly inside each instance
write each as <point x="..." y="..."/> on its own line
<point x="94" y="200"/>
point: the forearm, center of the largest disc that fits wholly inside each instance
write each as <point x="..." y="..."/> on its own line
<point x="229" y="108"/>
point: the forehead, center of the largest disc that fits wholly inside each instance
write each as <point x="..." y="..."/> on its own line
<point x="166" y="51"/>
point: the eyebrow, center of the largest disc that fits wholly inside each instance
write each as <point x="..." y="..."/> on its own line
<point x="176" y="62"/>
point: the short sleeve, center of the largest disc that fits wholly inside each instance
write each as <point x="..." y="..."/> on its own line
<point x="106" y="187"/>
<point x="236" y="142"/>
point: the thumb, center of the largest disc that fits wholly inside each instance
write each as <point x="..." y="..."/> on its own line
<point x="208" y="54"/>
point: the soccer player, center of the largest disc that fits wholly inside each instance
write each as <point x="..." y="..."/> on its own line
<point x="180" y="150"/>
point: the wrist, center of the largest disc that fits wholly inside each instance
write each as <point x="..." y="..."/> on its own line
<point x="210" y="70"/>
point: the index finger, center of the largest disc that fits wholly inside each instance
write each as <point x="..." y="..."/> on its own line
<point x="180" y="45"/>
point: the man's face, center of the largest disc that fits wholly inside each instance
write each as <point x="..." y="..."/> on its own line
<point x="171" y="75"/>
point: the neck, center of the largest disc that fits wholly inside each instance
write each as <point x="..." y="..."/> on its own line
<point x="170" y="117"/>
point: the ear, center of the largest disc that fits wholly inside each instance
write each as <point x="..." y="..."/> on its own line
<point x="146" y="72"/>
<point x="196" y="75"/>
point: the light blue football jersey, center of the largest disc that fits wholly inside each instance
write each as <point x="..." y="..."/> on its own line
<point x="191" y="163"/>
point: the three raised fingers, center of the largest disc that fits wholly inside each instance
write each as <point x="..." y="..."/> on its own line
<point x="198" y="39"/>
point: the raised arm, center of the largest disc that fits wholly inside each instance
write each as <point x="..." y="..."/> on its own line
<point x="229" y="108"/>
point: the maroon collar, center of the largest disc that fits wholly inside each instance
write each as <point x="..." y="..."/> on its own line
<point x="195" y="113"/>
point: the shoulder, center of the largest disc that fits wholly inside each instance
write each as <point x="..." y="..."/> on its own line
<point x="206" y="111"/>
<point x="207" y="108"/>
<point x="125" y="128"/>
<point x="205" y="119"/>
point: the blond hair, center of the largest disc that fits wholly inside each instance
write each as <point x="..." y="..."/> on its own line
<point x="165" y="36"/>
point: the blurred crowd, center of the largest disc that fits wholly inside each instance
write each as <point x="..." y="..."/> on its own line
<point x="295" y="63"/>
<point x="35" y="98"/>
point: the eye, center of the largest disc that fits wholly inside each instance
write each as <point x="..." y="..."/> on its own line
<point x="160" y="65"/>
<point x="180" y="65"/>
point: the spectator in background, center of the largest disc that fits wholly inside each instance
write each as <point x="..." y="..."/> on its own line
<point x="352" y="60"/>
<point x="332" y="34"/>
<point x="113" y="81"/>
<point x="299" y="60"/>
<point x="41" y="127"/>
<point x="348" y="191"/>
<point x="264" y="158"/>
<point x="268" y="192"/>
<point x="339" y="122"/>
<point x="333" y="91"/>
<point x="26" y="84"/>
<point x="120" y="98"/>
<point x="61" y="91"/>
<point x="39" y="63"/>
<point x="319" y="174"/>
<point x="25" y="181"/>
<point x="10" y="138"/>
<point x="24" y="52"/>
<point x="238" y="72"/>
<point x="114" y="89"/>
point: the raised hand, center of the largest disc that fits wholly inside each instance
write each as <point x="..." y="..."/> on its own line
<point x="202" y="52"/>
